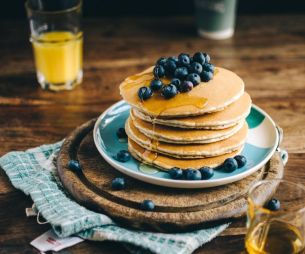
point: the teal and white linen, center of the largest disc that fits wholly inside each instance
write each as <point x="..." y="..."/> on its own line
<point x="34" y="172"/>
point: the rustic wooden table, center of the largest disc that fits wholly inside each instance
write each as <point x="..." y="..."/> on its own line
<point x="267" y="52"/>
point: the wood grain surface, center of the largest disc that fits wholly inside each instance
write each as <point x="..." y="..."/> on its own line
<point x="268" y="52"/>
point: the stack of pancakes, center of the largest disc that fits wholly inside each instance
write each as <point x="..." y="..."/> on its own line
<point x="200" y="128"/>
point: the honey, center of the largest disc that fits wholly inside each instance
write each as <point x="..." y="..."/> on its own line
<point x="274" y="237"/>
<point x="157" y="104"/>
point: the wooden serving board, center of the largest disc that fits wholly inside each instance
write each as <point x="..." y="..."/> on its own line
<point x="176" y="209"/>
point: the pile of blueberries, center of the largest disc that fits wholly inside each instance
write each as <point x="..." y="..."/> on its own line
<point x="205" y="173"/>
<point x="184" y="71"/>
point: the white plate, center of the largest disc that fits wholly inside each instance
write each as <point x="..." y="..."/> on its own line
<point x="261" y="143"/>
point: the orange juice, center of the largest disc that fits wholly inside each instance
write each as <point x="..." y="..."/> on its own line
<point x="58" y="58"/>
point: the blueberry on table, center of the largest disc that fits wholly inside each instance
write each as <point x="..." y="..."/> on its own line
<point x="123" y="156"/>
<point x="230" y="165"/>
<point x="161" y="61"/>
<point x="175" y="173"/>
<point x="208" y="67"/>
<point x="147" y="205"/>
<point x="181" y="73"/>
<point x="273" y="204"/>
<point x="194" y="78"/>
<point x="156" y="84"/>
<point x="159" y="71"/>
<point x="170" y="67"/>
<point x="186" y="86"/>
<point x="169" y="91"/>
<point x="74" y="165"/>
<point x="199" y="57"/>
<point x="241" y="160"/>
<point x="121" y="133"/>
<point x="206" y="173"/>
<point x="193" y="175"/>
<point x="196" y="68"/>
<point x="176" y="82"/>
<point x="145" y="93"/>
<point x="183" y="59"/>
<point x="206" y="76"/>
<point x="118" y="183"/>
<point x="207" y="57"/>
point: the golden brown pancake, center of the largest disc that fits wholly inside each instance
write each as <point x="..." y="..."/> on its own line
<point x="166" y="163"/>
<point x="228" y="117"/>
<point x="225" y="88"/>
<point x="183" y="136"/>
<point x="190" y="151"/>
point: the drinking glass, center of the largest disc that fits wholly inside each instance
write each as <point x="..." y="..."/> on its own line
<point x="57" y="40"/>
<point x="279" y="231"/>
<point x="215" y="18"/>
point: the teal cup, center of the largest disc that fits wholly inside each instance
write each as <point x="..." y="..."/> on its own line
<point x="215" y="18"/>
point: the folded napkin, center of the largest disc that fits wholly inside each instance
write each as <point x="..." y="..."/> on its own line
<point x="34" y="172"/>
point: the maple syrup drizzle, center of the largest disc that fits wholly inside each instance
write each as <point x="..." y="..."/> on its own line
<point x="152" y="106"/>
<point x="157" y="105"/>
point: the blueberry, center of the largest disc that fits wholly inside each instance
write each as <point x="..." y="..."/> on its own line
<point x="186" y="86"/>
<point x="208" y="67"/>
<point x="74" y="165"/>
<point x="121" y="133"/>
<point x="118" y="183"/>
<point x="186" y="172"/>
<point x="176" y="82"/>
<point x="174" y="58"/>
<point x="147" y="205"/>
<point x="156" y="84"/>
<point x="123" y="156"/>
<point x="176" y="173"/>
<point x="196" y="67"/>
<point x="199" y="57"/>
<point x="144" y="93"/>
<point x="273" y="205"/>
<point x="169" y="91"/>
<point x="230" y="165"/>
<point x="181" y="73"/>
<point x="207" y="57"/>
<point x="206" y="76"/>
<point x="193" y="174"/>
<point x="183" y="59"/>
<point x="161" y="61"/>
<point x="170" y="67"/>
<point x="206" y="173"/>
<point x="159" y="71"/>
<point x="241" y="160"/>
<point x="194" y="78"/>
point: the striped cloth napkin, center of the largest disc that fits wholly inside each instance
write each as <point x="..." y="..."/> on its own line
<point x="34" y="172"/>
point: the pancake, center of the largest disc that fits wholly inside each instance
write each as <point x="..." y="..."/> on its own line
<point x="166" y="163"/>
<point x="183" y="136"/>
<point x="190" y="151"/>
<point x="219" y="120"/>
<point x="225" y="88"/>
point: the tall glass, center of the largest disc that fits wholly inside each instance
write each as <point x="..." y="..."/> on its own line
<point x="57" y="40"/>
<point x="272" y="231"/>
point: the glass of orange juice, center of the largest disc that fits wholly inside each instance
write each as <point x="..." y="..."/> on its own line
<point x="57" y="41"/>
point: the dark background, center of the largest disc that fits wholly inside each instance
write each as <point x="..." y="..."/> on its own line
<point x="14" y="9"/>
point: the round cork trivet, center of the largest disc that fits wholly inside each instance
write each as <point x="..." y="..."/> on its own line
<point x="175" y="209"/>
